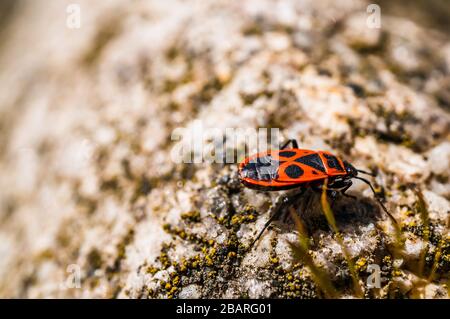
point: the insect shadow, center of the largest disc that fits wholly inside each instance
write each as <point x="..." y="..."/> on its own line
<point x="349" y="212"/>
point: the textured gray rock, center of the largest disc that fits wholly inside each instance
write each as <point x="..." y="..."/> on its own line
<point x="89" y="191"/>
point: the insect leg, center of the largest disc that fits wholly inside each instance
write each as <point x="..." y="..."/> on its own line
<point x="275" y="212"/>
<point x="290" y="141"/>
<point x="379" y="201"/>
<point x="271" y="219"/>
<point x="342" y="186"/>
<point x="342" y="191"/>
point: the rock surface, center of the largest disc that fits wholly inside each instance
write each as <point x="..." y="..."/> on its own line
<point x="93" y="206"/>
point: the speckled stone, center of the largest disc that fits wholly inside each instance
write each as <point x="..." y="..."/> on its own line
<point x="89" y="190"/>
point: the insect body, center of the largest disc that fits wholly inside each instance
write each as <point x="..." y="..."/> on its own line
<point x="289" y="168"/>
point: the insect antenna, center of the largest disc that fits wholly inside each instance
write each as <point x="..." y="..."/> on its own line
<point x="378" y="200"/>
<point x="365" y="172"/>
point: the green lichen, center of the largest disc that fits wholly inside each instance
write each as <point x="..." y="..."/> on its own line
<point x="214" y="264"/>
<point x="193" y="216"/>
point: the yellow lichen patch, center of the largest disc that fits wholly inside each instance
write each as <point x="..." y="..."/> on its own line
<point x="361" y="264"/>
<point x="409" y="213"/>
<point x="396" y="273"/>
<point x="274" y="260"/>
<point x="193" y="216"/>
<point x="152" y="270"/>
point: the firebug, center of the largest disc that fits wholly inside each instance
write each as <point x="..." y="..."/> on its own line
<point x="289" y="168"/>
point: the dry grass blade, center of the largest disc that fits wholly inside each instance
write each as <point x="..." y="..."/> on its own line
<point x="332" y="222"/>
<point x="301" y="252"/>
<point x="303" y="237"/>
<point x="424" y="216"/>
<point x="319" y="276"/>
<point x="437" y="257"/>
<point x="448" y="287"/>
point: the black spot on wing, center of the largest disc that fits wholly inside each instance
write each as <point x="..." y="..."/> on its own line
<point x="312" y="160"/>
<point x="333" y="162"/>
<point x="293" y="171"/>
<point x="287" y="153"/>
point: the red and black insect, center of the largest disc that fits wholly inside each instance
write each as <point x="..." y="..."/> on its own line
<point x="289" y="168"/>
